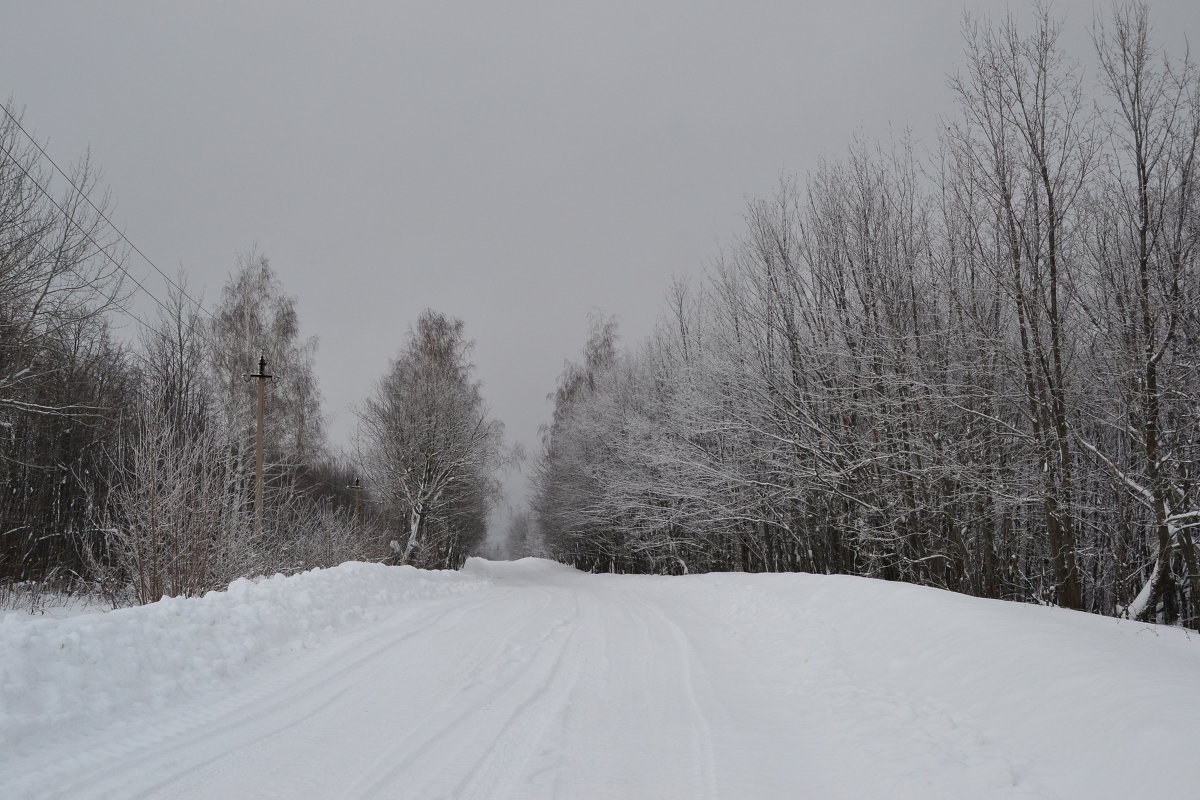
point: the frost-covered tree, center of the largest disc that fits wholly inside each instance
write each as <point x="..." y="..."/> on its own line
<point x="256" y="316"/>
<point x="975" y="371"/>
<point x="63" y="377"/>
<point x="430" y="447"/>
<point x="1142" y="299"/>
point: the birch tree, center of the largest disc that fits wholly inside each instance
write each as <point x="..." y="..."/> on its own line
<point x="429" y="444"/>
<point x="256" y="316"/>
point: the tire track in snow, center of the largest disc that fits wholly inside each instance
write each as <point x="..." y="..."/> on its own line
<point x="497" y="773"/>
<point x="701" y="727"/>
<point x="370" y="694"/>
<point x="443" y="736"/>
<point x="546" y="779"/>
<point x="630" y="729"/>
<point x="297" y="692"/>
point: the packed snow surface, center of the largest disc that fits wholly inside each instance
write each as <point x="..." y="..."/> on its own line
<point x="530" y="680"/>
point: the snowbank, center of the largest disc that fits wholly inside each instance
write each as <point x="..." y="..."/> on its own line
<point x="1037" y="701"/>
<point x="103" y="667"/>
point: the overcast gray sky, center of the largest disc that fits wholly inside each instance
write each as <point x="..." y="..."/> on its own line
<point x="515" y="164"/>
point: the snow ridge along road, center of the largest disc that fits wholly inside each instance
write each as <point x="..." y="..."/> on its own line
<point x="530" y="680"/>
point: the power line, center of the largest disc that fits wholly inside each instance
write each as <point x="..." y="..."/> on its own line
<point x="90" y="238"/>
<point x="203" y="332"/>
<point x="86" y="281"/>
<point x="104" y="217"/>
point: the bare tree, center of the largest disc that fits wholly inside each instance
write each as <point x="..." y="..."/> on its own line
<point x="59" y="264"/>
<point x="174" y="531"/>
<point x="977" y="374"/>
<point x="256" y="317"/>
<point x="61" y="373"/>
<point x="1026" y="142"/>
<point x="1143" y="247"/>
<point x="429" y="445"/>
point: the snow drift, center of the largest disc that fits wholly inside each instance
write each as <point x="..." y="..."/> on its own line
<point x="966" y="697"/>
<point x="97" y="668"/>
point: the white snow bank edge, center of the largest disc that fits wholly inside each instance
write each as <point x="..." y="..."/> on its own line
<point x="100" y="668"/>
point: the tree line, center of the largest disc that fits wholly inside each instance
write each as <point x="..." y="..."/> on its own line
<point x="974" y="369"/>
<point x="127" y="464"/>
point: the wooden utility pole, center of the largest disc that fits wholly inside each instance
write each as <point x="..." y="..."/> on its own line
<point x="263" y="377"/>
<point x="356" y="487"/>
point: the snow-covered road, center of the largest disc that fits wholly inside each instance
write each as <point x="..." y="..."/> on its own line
<point x="530" y="680"/>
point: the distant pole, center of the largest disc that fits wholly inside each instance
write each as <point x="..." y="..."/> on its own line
<point x="263" y="377"/>
<point x="356" y="487"/>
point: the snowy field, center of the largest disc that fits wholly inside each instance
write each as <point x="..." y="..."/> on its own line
<point x="530" y="680"/>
